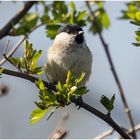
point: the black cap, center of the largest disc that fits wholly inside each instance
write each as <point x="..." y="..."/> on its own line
<point x="70" y="28"/>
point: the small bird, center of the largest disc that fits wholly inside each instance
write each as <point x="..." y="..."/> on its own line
<point x="68" y="52"/>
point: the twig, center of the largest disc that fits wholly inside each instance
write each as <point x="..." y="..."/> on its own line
<point x="106" y="118"/>
<point x="105" y="134"/>
<point x="105" y="46"/>
<point x="87" y="107"/>
<point x="59" y="132"/>
<point x="11" y="52"/>
<point x="6" y="58"/>
<point x="136" y="128"/>
<point x="6" y="29"/>
<point x="109" y="132"/>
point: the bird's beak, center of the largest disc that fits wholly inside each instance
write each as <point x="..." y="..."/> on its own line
<point x="80" y="32"/>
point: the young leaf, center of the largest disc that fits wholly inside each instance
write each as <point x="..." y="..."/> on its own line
<point x="1" y="70"/>
<point x="68" y="77"/>
<point x="40" y="84"/>
<point x="35" y="58"/>
<point x="36" y="115"/>
<point x="136" y="44"/>
<point x="26" y="24"/>
<point x="72" y="6"/>
<point x="51" y="30"/>
<point x="81" y="15"/>
<point x="59" y="86"/>
<point x="80" y="78"/>
<point x="108" y="103"/>
<point x="105" y="20"/>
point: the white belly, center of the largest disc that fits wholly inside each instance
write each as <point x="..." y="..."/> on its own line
<point x="59" y="63"/>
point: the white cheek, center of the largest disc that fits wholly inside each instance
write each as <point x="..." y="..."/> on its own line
<point x="64" y="38"/>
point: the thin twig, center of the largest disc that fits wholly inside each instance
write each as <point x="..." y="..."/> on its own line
<point x="105" y="134"/>
<point x="109" y="132"/>
<point x="87" y="107"/>
<point x="136" y="128"/>
<point x="59" y="131"/>
<point x="6" y="58"/>
<point x="105" y="46"/>
<point x="6" y="29"/>
<point x="12" y="51"/>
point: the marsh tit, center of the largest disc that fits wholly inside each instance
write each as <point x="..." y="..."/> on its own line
<point x="68" y="52"/>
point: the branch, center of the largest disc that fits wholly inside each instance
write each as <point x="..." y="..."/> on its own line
<point x="12" y="51"/>
<point x="6" y="58"/>
<point x="105" y="46"/>
<point x="87" y="107"/>
<point x="6" y="29"/>
<point x="59" y="132"/>
<point x="105" y="134"/>
<point x="102" y="116"/>
<point x="137" y="128"/>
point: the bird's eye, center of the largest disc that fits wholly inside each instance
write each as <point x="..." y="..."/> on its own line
<point x="69" y="32"/>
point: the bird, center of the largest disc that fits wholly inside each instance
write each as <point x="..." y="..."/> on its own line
<point x="69" y="51"/>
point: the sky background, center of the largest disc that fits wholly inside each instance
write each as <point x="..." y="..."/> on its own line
<point x="15" y="108"/>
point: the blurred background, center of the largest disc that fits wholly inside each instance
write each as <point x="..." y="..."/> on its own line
<point x="15" y="108"/>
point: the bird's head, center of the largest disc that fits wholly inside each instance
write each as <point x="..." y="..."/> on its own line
<point x="70" y="34"/>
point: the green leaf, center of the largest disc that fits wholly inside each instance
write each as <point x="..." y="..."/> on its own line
<point x="81" y="91"/>
<point x="36" y="115"/>
<point x="35" y="59"/>
<point x="69" y="75"/>
<point x="81" y="15"/>
<point x="52" y="30"/>
<point x="30" y="20"/>
<point x="39" y="83"/>
<point x="1" y="70"/>
<point x="19" y="31"/>
<point x="59" y="86"/>
<point x="59" y="8"/>
<point x="45" y="18"/>
<point x="72" y="6"/>
<point x="108" y="103"/>
<point x="137" y="38"/>
<point x="26" y="24"/>
<point x="100" y="4"/>
<point x="137" y="33"/>
<point x="112" y="99"/>
<point x="15" y="60"/>
<point x="136" y="44"/>
<point x="105" y="20"/>
<point x="80" y="78"/>
<point x="40" y="105"/>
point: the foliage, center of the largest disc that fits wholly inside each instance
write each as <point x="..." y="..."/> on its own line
<point x="1" y="70"/>
<point x="28" y="62"/>
<point x="55" y="14"/>
<point x="102" y="19"/>
<point x="133" y="14"/>
<point x="108" y="103"/>
<point x="28" y="22"/>
<point x="59" y="13"/>
<point x="51" y="100"/>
